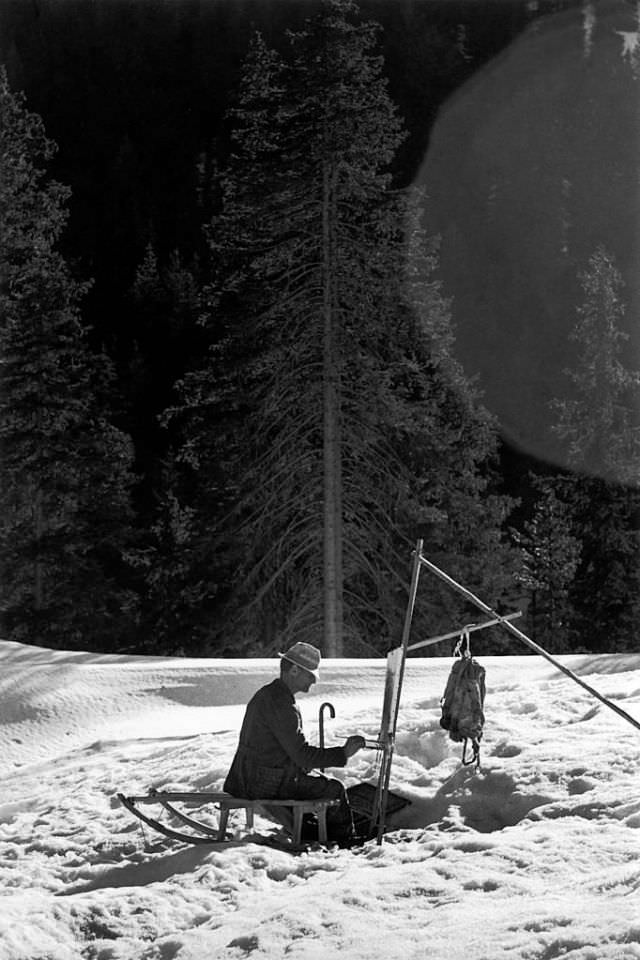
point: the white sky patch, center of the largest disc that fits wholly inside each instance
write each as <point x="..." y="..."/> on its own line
<point x="535" y="856"/>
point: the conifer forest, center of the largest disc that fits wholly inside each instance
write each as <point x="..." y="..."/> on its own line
<point x="286" y="286"/>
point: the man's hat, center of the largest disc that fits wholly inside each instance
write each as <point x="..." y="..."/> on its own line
<point x="305" y="656"/>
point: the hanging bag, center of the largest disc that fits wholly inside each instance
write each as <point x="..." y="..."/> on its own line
<point x="463" y="701"/>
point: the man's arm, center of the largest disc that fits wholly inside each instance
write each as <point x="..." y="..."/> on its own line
<point x="287" y="729"/>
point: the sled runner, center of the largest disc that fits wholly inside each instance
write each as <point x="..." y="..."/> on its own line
<point x="290" y="813"/>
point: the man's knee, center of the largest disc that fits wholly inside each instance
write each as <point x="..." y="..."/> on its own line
<point x="318" y="788"/>
<point x="335" y="790"/>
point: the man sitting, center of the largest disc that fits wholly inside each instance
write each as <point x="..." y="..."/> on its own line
<point x="273" y="758"/>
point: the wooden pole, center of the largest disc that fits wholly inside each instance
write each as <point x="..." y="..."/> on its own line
<point x="468" y="629"/>
<point x="525" y="639"/>
<point x="387" y="736"/>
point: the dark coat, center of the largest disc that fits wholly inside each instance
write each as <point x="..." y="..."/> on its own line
<point x="272" y="751"/>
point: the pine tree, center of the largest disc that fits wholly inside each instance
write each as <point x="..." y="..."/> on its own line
<point x="551" y="555"/>
<point x="332" y="387"/>
<point x="65" y="475"/>
<point x="165" y="300"/>
<point x="599" y="427"/>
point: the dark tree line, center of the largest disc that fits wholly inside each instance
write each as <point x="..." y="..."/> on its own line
<point x="320" y="422"/>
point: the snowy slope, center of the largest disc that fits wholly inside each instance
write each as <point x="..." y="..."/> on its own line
<point x="535" y="857"/>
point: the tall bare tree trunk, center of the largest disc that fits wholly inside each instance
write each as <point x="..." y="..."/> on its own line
<point x="332" y="566"/>
<point x="38" y="578"/>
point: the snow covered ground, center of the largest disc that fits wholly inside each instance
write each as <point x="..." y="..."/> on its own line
<point x="535" y="857"/>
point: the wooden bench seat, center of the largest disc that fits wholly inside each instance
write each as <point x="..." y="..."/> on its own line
<point x="279" y="809"/>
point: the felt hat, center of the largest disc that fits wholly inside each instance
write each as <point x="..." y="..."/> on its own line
<point x="305" y="656"/>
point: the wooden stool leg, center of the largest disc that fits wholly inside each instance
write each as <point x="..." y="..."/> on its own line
<point x="321" y="814"/>
<point x="222" y="826"/>
<point x="249" y="812"/>
<point x="297" y="824"/>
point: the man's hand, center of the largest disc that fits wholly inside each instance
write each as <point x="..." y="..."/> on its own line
<point x="352" y="745"/>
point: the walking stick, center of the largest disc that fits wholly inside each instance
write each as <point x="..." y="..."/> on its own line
<point x="332" y="714"/>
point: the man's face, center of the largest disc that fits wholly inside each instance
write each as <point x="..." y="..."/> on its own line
<point x="304" y="680"/>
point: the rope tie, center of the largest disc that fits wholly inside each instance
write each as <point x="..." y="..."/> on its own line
<point x="465" y="640"/>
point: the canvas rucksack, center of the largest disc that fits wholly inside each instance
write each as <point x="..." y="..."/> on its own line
<point x="463" y="705"/>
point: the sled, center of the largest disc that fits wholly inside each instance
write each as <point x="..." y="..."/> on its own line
<point x="289" y="813"/>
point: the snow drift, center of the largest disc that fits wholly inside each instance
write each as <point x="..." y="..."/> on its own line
<point x="533" y="857"/>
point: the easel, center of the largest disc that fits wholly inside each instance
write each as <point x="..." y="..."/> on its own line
<point x="395" y="674"/>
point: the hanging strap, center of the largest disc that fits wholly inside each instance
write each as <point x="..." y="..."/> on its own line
<point x="474" y="760"/>
<point x="463" y="646"/>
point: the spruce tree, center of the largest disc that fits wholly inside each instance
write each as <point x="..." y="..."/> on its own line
<point x="550" y="554"/>
<point x="331" y="420"/>
<point x="65" y="469"/>
<point x="166" y="299"/>
<point x="599" y="427"/>
<point x="165" y="302"/>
